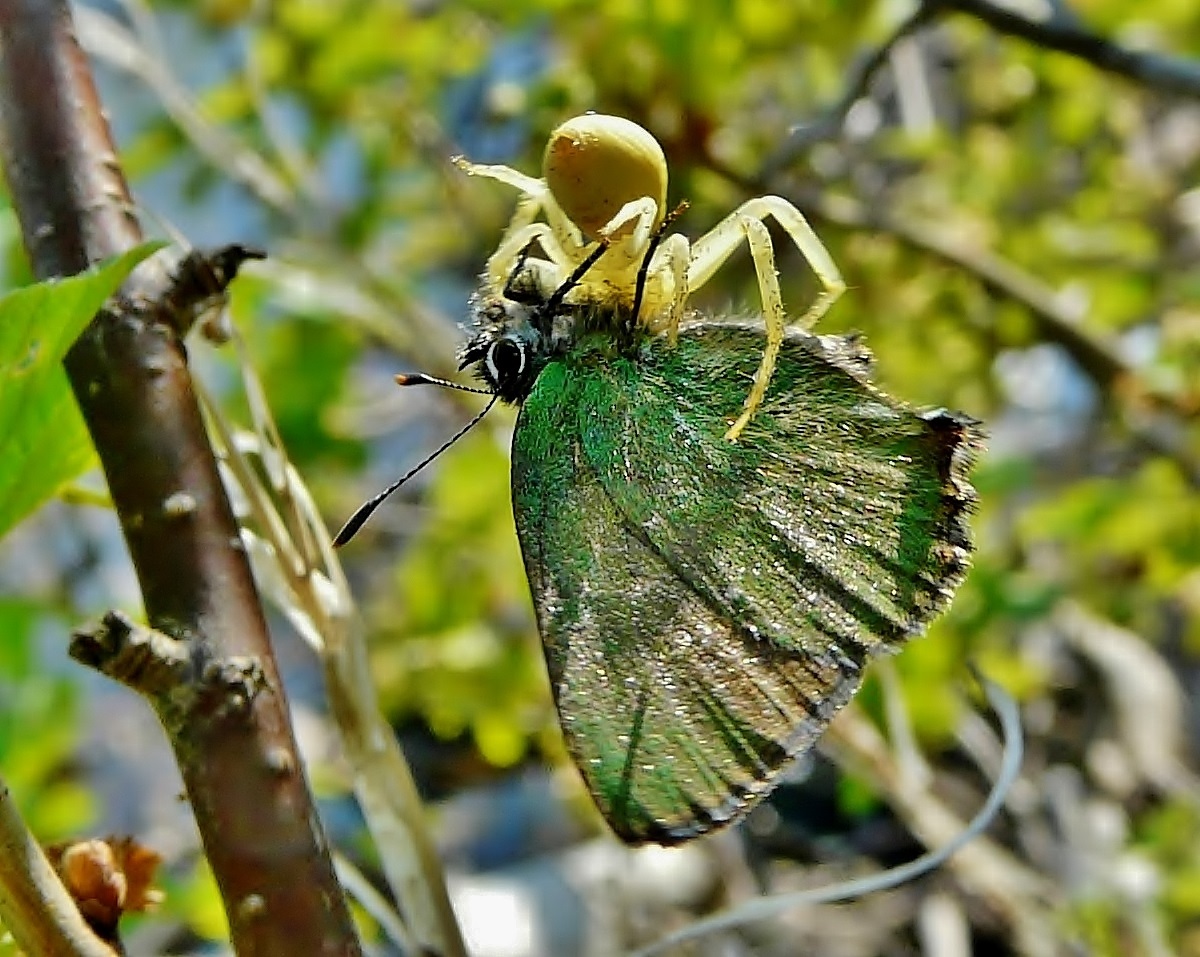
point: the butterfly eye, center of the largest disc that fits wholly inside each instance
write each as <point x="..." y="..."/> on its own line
<point x="505" y="360"/>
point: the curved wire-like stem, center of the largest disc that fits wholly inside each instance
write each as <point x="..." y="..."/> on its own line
<point x="764" y="907"/>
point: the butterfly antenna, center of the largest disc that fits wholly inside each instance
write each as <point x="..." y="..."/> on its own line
<point x="420" y="378"/>
<point x="655" y="241"/>
<point x="572" y="280"/>
<point x="359" y="518"/>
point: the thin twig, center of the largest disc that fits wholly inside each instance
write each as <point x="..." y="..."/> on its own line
<point x="35" y="907"/>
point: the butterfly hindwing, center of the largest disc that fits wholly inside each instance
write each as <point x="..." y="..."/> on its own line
<point x="707" y="606"/>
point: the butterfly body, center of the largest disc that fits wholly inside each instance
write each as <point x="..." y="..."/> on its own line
<point x="707" y="606"/>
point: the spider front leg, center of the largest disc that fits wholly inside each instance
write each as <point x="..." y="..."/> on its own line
<point x="515" y="243"/>
<point x="536" y="197"/>
<point x="636" y="234"/>
<point x="628" y="234"/>
<point x="746" y="224"/>
<point x="670" y="262"/>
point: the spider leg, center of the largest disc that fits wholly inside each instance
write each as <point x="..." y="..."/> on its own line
<point x="536" y="197"/>
<point x="746" y="223"/>
<point x="712" y="249"/>
<point x="504" y="174"/>
<point x="670" y="260"/>
<point x="759" y="241"/>
<point x="662" y="253"/>
<point x="634" y="221"/>
<point x="629" y="233"/>
<point x="514" y="243"/>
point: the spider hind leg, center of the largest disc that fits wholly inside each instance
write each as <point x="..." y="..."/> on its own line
<point x="774" y="319"/>
<point x="746" y="224"/>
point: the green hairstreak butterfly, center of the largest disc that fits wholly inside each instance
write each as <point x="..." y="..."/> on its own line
<point x="710" y="572"/>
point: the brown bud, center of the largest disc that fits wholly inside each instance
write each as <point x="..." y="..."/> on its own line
<point x="107" y="877"/>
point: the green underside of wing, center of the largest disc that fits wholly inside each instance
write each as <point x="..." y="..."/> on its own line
<point x="706" y="606"/>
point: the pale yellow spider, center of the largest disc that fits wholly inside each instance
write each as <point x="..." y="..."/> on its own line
<point x="606" y="178"/>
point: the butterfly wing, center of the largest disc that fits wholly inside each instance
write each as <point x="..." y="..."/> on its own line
<point x="707" y="606"/>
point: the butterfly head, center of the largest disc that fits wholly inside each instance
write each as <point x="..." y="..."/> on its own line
<point x="523" y="327"/>
<point x="512" y="343"/>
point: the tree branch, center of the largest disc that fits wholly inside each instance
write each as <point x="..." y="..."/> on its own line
<point x="805" y="135"/>
<point x="129" y="372"/>
<point x="1152" y="417"/>
<point x="1061" y="31"/>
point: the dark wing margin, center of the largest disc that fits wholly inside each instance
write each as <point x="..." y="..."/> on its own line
<point x="706" y="607"/>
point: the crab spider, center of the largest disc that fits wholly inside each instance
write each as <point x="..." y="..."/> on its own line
<point x="605" y="177"/>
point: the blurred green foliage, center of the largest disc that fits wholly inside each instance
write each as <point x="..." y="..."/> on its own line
<point x="1083" y="181"/>
<point x="38" y="734"/>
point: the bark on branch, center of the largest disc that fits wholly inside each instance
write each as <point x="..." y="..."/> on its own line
<point x="129" y="372"/>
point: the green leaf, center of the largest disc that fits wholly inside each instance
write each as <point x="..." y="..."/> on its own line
<point x="43" y="441"/>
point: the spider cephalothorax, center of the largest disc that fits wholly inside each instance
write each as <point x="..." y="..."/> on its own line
<point x="605" y="180"/>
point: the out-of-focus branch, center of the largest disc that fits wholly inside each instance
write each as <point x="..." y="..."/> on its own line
<point x="1060" y="31"/>
<point x="829" y="123"/>
<point x="34" y="905"/>
<point x="232" y="738"/>
<point x="1151" y="416"/>
<point x="1056" y="322"/>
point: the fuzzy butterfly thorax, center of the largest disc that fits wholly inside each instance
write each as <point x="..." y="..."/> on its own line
<point x="513" y="339"/>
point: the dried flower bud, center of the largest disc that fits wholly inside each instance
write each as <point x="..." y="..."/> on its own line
<point x="595" y="164"/>
<point x="107" y="878"/>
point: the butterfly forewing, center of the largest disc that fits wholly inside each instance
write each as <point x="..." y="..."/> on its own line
<point x="707" y="606"/>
